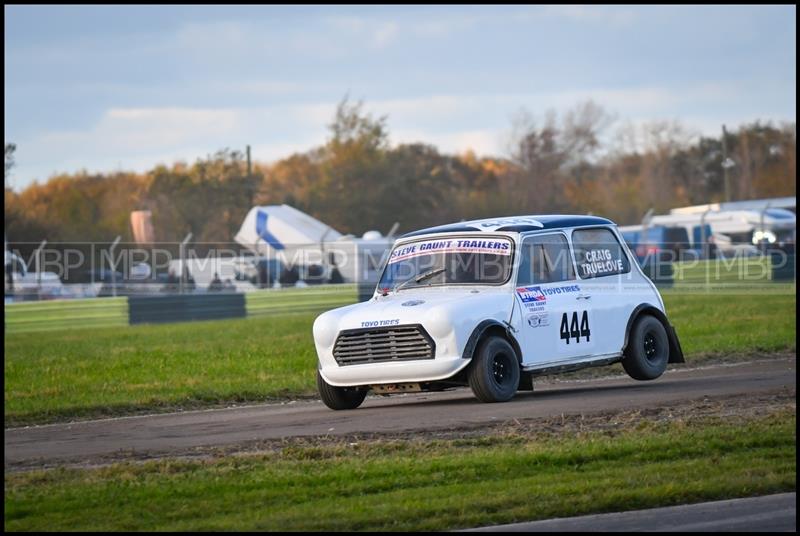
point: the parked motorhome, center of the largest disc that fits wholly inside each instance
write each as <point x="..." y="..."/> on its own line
<point x="728" y="232"/>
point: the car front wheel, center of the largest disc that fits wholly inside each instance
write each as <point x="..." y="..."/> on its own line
<point x="494" y="372"/>
<point x="339" y="397"/>
<point x="647" y="353"/>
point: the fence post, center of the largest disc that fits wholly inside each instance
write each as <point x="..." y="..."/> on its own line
<point x="184" y="268"/>
<point x="114" y="266"/>
<point x="39" y="270"/>
<point x="705" y="248"/>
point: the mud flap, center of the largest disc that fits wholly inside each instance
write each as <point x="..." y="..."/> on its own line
<point x="675" y="351"/>
<point x="525" y="381"/>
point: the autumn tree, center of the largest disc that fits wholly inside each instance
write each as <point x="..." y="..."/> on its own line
<point x="556" y="155"/>
<point x="353" y="167"/>
<point x="358" y="181"/>
<point x="209" y="199"/>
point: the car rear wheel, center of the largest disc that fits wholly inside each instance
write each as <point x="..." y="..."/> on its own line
<point x="647" y="353"/>
<point x="339" y="397"/>
<point x="494" y="372"/>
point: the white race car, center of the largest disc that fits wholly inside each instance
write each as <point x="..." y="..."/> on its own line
<point x="492" y="303"/>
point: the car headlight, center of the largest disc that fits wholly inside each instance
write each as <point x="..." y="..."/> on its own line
<point x="324" y="331"/>
<point x="437" y="322"/>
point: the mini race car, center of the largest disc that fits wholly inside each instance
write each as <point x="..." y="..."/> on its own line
<point x="491" y="304"/>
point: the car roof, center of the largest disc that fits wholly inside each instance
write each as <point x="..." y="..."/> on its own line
<point x="515" y="224"/>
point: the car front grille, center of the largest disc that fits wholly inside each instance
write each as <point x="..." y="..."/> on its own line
<point x="386" y="344"/>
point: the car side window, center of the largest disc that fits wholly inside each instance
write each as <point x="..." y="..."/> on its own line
<point x="598" y="253"/>
<point x="545" y="259"/>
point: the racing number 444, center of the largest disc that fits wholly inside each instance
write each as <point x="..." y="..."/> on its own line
<point x="571" y="330"/>
<point x="491" y="304"/>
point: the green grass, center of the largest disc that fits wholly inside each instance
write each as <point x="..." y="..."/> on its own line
<point x="723" y="272"/>
<point x="298" y="300"/>
<point x="418" y="484"/>
<point x="66" y="314"/>
<point x="64" y="374"/>
<point x="710" y="324"/>
<point x="93" y="313"/>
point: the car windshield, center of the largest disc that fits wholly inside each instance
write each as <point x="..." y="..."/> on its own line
<point x="476" y="260"/>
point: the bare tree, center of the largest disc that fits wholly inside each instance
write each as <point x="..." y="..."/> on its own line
<point x="556" y="153"/>
<point x="661" y="143"/>
<point x="581" y="130"/>
<point x="10" y="148"/>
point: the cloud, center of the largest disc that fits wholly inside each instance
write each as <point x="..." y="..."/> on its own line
<point x="127" y="131"/>
<point x="615" y="16"/>
<point x="376" y="33"/>
<point x="384" y="34"/>
<point x="483" y="142"/>
<point x="318" y="38"/>
<point x="140" y="138"/>
<point x="428" y="109"/>
<point x="130" y="137"/>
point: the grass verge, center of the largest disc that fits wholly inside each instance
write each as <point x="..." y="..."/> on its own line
<point x="506" y="476"/>
<point x="73" y="374"/>
<point x="68" y="374"/>
<point x="738" y="271"/>
<point x="710" y="324"/>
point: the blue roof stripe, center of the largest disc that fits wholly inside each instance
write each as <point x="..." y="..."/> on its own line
<point x="547" y="222"/>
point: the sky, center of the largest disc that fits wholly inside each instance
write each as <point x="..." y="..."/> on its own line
<point x="128" y="87"/>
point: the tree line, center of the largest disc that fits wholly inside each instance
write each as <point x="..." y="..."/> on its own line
<point x="582" y="161"/>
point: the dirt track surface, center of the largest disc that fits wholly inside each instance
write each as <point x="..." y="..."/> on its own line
<point x="419" y="414"/>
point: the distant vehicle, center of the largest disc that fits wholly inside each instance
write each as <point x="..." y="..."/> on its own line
<point x="250" y="272"/>
<point x="243" y="272"/>
<point x="97" y="275"/>
<point x="263" y="273"/>
<point x="734" y="231"/>
<point x="491" y="304"/>
<point x="21" y="282"/>
<point x="789" y="203"/>
<point x="664" y="243"/>
<point x="141" y="271"/>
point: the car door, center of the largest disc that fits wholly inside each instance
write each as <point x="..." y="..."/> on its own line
<point x="604" y="276"/>
<point x="556" y="318"/>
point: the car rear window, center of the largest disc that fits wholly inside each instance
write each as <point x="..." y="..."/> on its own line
<point x="598" y="253"/>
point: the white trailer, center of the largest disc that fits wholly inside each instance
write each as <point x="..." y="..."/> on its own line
<point x="297" y="239"/>
<point x="737" y="229"/>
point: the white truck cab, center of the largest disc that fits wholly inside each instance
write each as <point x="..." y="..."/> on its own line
<point x="492" y="303"/>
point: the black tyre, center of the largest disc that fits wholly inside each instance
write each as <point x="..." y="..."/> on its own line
<point x="494" y="371"/>
<point x="647" y="353"/>
<point x="339" y="397"/>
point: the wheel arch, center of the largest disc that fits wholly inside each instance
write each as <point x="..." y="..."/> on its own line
<point x="485" y="329"/>
<point x="675" y="351"/>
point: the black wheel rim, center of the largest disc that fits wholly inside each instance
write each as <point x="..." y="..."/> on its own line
<point x="650" y="347"/>
<point x="501" y="369"/>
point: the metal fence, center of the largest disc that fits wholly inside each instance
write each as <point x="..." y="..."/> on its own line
<point x="117" y="312"/>
<point x="700" y="275"/>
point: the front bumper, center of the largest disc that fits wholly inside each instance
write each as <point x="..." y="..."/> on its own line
<point x="425" y="370"/>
